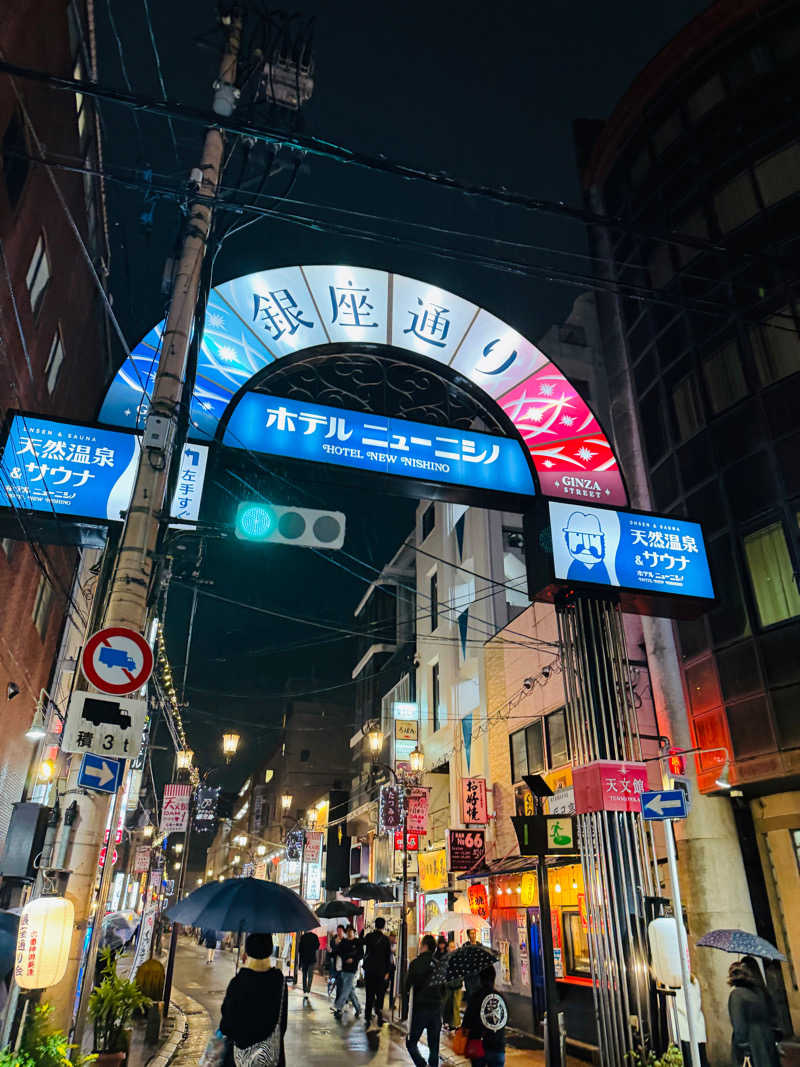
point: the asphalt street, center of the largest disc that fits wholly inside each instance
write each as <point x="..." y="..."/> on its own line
<point x="313" y="1037"/>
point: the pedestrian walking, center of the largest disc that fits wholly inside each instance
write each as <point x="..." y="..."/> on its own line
<point x="485" y="1021"/>
<point x="349" y="951"/>
<point x="472" y="982"/>
<point x="254" y="1011"/>
<point x="377" y="968"/>
<point x="426" y="1006"/>
<point x="210" y="941"/>
<point x="392" y="971"/>
<point x="451" y="998"/>
<point x="753" y="1037"/>
<point x="307" y="953"/>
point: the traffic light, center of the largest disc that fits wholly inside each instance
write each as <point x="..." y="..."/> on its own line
<point x="676" y="761"/>
<point x="259" y="521"/>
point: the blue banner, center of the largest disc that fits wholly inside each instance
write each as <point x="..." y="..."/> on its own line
<point x="67" y="469"/>
<point x="283" y="427"/>
<point x="651" y="553"/>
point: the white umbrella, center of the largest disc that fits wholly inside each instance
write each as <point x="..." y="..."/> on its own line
<point x="452" y="920"/>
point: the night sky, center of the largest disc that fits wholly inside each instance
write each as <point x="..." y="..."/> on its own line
<point x="487" y="93"/>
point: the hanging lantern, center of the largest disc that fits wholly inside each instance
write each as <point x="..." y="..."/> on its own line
<point x="230" y="745"/>
<point x="43" y="941"/>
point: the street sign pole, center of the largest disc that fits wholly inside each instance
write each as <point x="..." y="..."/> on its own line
<point x="683" y="944"/>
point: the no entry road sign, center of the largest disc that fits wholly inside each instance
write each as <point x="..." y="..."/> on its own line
<point x="665" y="804"/>
<point x="117" y="660"/>
<point x="100" y="773"/>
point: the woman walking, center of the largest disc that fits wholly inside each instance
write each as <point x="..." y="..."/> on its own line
<point x="254" y="1010"/>
<point x="750" y="1013"/>
<point x="210" y="941"/>
<point x="485" y="1021"/>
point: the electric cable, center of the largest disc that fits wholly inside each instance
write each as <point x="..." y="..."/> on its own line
<point x="159" y="74"/>
<point x="125" y="76"/>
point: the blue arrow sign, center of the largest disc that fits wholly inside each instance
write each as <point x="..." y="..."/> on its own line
<point x="665" y="804"/>
<point x="100" y="772"/>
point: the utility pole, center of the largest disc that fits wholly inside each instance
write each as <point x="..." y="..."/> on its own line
<point x="129" y="597"/>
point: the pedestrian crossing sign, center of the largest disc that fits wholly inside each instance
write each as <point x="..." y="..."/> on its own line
<point x="560" y="834"/>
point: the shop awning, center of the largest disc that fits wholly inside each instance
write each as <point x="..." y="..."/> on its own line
<point x="510" y="865"/>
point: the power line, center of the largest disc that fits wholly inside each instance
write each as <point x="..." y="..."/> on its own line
<point x="159" y="74"/>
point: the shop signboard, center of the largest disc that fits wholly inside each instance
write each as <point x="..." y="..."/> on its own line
<point x="313" y="853"/>
<point x="433" y="870"/>
<point x="473" y="801"/>
<point x="412" y="842"/>
<point x="545" y="834"/>
<point x="609" y="785"/>
<point x="405" y="729"/>
<point x="417" y="818"/>
<point x="505" y="962"/>
<point x="205" y="808"/>
<point x="529" y="893"/>
<point x="390" y="809"/>
<point x="175" y="808"/>
<point x="141" y="861"/>
<point x="466" y="849"/>
<point x="413" y="867"/>
<point x="478" y="898"/>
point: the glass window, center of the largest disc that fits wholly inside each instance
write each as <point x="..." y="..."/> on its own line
<point x="428" y="520"/>
<point x="557" y="747"/>
<point x="42" y="605"/>
<point x="80" y="99"/>
<point x="89" y="201"/>
<point x="735" y="202"/>
<point x="771" y="574"/>
<point x="38" y="274"/>
<point x="796" y="845"/>
<point x="688" y="410"/>
<point x="776" y="346"/>
<point x="519" y="756"/>
<point x="434" y="598"/>
<point x="534" y="739"/>
<point x="576" y="945"/>
<point x="54" y="361"/>
<point x="435" y="696"/>
<point x="724" y="377"/>
<point x="707" y="96"/>
<point x="7" y="545"/>
<point x="779" y="175"/>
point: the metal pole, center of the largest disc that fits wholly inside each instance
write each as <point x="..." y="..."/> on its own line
<point x="302" y="866"/>
<point x="403" y="916"/>
<point x="552" y="1038"/>
<point x="683" y="944"/>
<point x="97" y="923"/>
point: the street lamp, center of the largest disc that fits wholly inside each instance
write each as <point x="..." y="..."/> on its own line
<point x="261" y="850"/>
<point x="178" y="848"/>
<point x="375" y="738"/>
<point x="148" y="831"/>
<point x="240" y="840"/>
<point x="416" y="759"/>
<point x="230" y="745"/>
<point x="286" y="802"/>
<point x="185" y="757"/>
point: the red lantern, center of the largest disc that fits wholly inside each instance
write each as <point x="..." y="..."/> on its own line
<point x="478" y="900"/>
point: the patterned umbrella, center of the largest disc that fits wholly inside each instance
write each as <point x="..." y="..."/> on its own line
<point x="740" y="943"/>
<point x="466" y="961"/>
<point x="245" y="904"/>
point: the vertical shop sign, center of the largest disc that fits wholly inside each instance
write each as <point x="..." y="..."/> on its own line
<point x="313" y="853"/>
<point x="391" y="813"/>
<point x="175" y="809"/>
<point x="141" y="860"/>
<point x="505" y="962"/>
<point x="558" y="956"/>
<point x="433" y="870"/>
<point x="528" y="896"/>
<point x="473" y="801"/>
<point x="417" y="819"/>
<point x="524" y="955"/>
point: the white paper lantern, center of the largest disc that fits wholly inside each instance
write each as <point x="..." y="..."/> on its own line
<point x="43" y="941"/>
<point x="665" y="952"/>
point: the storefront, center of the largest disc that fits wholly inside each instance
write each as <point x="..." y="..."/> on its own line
<point x="510" y="895"/>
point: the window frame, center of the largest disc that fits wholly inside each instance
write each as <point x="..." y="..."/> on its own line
<point x="425" y="529"/>
<point x="776" y="523"/>
<point x="52" y="368"/>
<point x="435" y="696"/>
<point x="42" y="607"/>
<point x="433" y="591"/>
<point x="33" y="283"/>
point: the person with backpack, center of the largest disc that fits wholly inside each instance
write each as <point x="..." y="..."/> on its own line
<point x="485" y="1022"/>
<point x="426" y="1008"/>
<point x="377" y="967"/>
<point x="307" y="952"/>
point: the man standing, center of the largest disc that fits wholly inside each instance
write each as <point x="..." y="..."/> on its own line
<point x="377" y="966"/>
<point x="426" y="1010"/>
<point x="307" y="953"/>
<point x="349" y="952"/>
<point x="472" y="982"/>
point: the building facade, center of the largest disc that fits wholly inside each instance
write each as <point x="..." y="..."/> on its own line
<point x="700" y="162"/>
<point x="54" y="341"/>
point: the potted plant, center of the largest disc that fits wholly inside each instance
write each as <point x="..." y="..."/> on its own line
<point x="42" y="1047"/>
<point x="112" y="1005"/>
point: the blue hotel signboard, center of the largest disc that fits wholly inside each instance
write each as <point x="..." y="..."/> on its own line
<point x="656" y="563"/>
<point x="280" y="426"/>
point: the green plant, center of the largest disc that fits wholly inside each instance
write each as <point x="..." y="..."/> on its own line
<point x="112" y="1005"/>
<point x="673" y="1057"/>
<point x="41" y="1046"/>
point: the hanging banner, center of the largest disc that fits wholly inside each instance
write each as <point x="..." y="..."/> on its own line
<point x="412" y="842"/>
<point x="473" y="801"/>
<point x="417" y="819"/>
<point x="205" y="808"/>
<point x="529" y="895"/>
<point x="141" y="861"/>
<point x="466" y="849"/>
<point x="391" y="809"/>
<point x="313" y="853"/>
<point x="146" y="927"/>
<point x="433" y="870"/>
<point x="175" y="808"/>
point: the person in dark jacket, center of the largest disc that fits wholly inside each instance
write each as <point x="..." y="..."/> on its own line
<point x="256" y="998"/>
<point x="210" y="941"/>
<point x="349" y="951"/>
<point x="426" y="1009"/>
<point x="307" y="954"/>
<point x="751" y="1019"/>
<point x="377" y="968"/>
<point x="485" y="1018"/>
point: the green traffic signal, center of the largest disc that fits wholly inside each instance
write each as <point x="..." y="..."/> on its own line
<point x="254" y="521"/>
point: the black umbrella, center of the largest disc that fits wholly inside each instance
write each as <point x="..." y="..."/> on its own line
<point x="339" y="909"/>
<point x="245" y="904"/>
<point x="370" y="891"/>
<point x="466" y="961"/>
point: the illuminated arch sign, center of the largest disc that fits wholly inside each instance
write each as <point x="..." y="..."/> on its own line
<point x="257" y="319"/>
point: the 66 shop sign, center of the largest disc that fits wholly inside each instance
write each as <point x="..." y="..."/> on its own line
<point x="465" y="849"/>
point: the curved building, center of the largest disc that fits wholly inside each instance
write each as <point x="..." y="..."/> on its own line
<point x="699" y="166"/>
